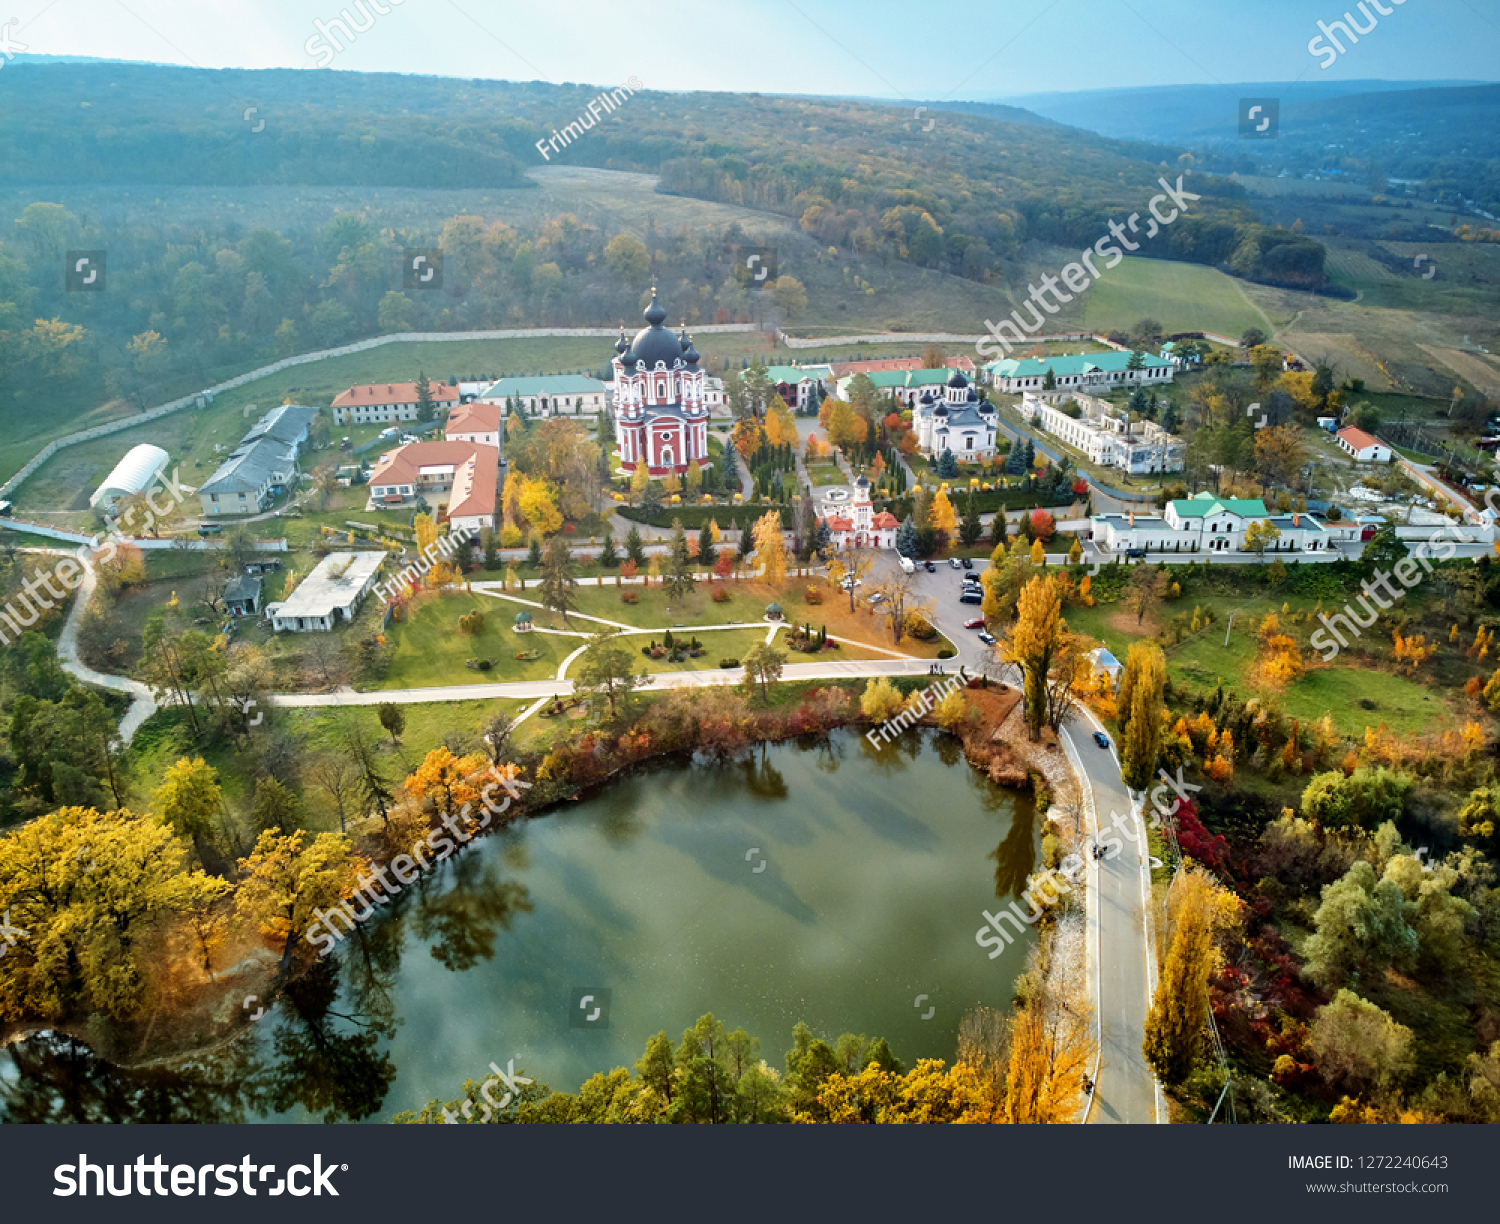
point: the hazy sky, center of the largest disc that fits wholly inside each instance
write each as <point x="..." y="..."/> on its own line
<point x="880" y="48"/>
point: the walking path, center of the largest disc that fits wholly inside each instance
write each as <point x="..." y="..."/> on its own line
<point x="143" y="703"/>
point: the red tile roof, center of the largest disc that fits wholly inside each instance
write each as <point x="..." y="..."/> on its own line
<point x="475" y="467"/>
<point x="375" y="394"/>
<point x="883" y="520"/>
<point x="474" y="418"/>
<point x="1358" y="438"/>
<point x="842" y="369"/>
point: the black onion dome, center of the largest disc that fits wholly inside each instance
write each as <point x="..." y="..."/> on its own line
<point x="691" y="356"/>
<point x="926" y="397"/>
<point x="958" y="380"/>
<point x="861" y="482"/>
<point x="941" y="410"/>
<point x="622" y="344"/>
<point x="655" y="344"/>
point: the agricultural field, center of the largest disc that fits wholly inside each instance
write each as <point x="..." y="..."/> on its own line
<point x="1180" y="296"/>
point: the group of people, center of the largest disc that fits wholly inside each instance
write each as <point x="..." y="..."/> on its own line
<point x="935" y="669"/>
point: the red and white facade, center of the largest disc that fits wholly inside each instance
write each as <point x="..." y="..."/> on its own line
<point x="661" y="399"/>
<point x="861" y="527"/>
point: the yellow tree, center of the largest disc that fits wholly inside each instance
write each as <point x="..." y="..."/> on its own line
<point x="1032" y="642"/>
<point x="1141" y="702"/>
<point x="639" y="479"/>
<point x="85" y="889"/>
<point x="539" y="505"/>
<point x="286" y="879"/>
<point x="427" y="531"/>
<point x="881" y="700"/>
<point x="1051" y="1049"/>
<point x="770" y="548"/>
<point x="1038" y="553"/>
<point x="942" y="516"/>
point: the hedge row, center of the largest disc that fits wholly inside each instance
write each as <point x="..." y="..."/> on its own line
<point x="694" y="517"/>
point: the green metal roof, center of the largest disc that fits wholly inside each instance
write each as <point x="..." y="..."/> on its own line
<point x="1076" y="363"/>
<point x="792" y="375"/>
<point x="545" y="384"/>
<point x="1201" y="505"/>
<point x="905" y="378"/>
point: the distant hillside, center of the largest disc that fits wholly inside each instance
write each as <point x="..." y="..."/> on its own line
<point x="1439" y="139"/>
<point x="1184" y="114"/>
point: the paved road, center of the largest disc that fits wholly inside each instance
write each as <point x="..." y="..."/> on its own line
<point x="1126" y="1089"/>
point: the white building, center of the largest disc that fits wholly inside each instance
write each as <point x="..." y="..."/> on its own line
<point x="550" y="395"/>
<point x="376" y="403"/>
<point x="1077" y="372"/>
<point x="330" y="594"/>
<point x="1110" y="440"/>
<point x="1204" y="523"/>
<point x="861" y="527"/>
<point x="138" y="470"/>
<point x="960" y="421"/>
<point x="1364" y="447"/>
<point x="480" y="423"/>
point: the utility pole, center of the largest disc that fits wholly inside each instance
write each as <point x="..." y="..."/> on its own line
<point x="1227" y="630"/>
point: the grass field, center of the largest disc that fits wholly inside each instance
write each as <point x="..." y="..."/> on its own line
<point x="1181" y="297"/>
<point x="1203" y="662"/>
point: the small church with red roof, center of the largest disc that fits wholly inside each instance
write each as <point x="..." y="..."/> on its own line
<point x="862" y="527"/>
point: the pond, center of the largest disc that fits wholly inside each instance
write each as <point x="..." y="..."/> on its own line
<point x="822" y="880"/>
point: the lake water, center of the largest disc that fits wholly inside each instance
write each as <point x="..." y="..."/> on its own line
<point x="822" y="880"/>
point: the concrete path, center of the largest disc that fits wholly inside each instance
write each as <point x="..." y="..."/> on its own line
<point x="530" y="690"/>
<point x="143" y="703"/>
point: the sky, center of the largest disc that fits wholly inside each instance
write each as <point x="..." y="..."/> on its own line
<point x="931" y="49"/>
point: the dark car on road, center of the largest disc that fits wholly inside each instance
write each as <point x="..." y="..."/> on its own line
<point x="931" y="568"/>
<point x="967" y="563"/>
<point x="1101" y="739"/>
<point x="987" y="638"/>
<point x="971" y="597"/>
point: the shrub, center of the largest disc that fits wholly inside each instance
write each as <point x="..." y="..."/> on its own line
<point x="471" y="622"/>
<point x="947" y="652"/>
<point x="729" y="664"/>
<point x="630" y="597"/>
<point x="919" y="627"/>
<point x="479" y="664"/>
<point x="812" y="595"/>
<point x="720" y="595"/>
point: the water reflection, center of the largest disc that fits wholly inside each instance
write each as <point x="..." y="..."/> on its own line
<point x="462" y="914"/>
<point x="871" y="867"/>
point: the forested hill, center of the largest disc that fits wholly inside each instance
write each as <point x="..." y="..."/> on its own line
<point x="960" y="192"/>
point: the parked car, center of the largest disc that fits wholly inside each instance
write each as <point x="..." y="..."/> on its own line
<point x="876" y="598"/>
<point x="930" y="567"/>
<point x="967" y="563"/>
<point x="1101" y="739"/>
<point x="987" y="638"/>
<point x="953" y="563"/>
<point x="1135" y="553"/>
<point x="850" y="582"/>
<point x="976" y="622"/>
<point x="971" y="597"/>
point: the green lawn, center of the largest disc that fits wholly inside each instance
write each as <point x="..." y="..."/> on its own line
<point x="1203" y="661"/>
<point x="430" y="651"/>
<point x="823" y="474"/>
<point x="1179" y="296"/>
